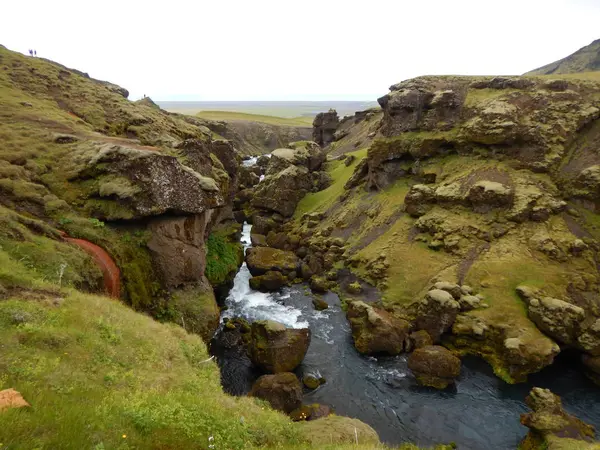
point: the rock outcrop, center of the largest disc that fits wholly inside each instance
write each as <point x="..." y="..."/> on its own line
<point x="550" y="425"/>
<point x="434" y="366"/>
<point x="324" y="127"/>
<point x="282" y="390"/>
<point x="281" y="192"/>
<point x="376" y="331"/>
<point x="261" y="260"/>
<point x="275" y="348"/>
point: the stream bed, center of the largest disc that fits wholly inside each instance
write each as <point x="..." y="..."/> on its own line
<point x="480" y="412"/>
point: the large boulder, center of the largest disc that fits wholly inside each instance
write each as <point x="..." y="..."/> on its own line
<point x="261" y="260"/>
<point x="131" y="183"/>
<point x="283" y="391"/>
<point x="375" y="330"/>
<point x="436" y="313"/>
<point x="434" y="366"/>
<point x="549" y="421"/>
<point x="282" y="191"/>
<point x="275" y="348"/>
<point x="308" y="155"/>
<point x="269" y="282"/>
<point x="418" y="200"/>
<point x="324" y="126"/>
<point x="592" y="367"/>
<point x="486" y="194"/>
<point x="556" y="318"/>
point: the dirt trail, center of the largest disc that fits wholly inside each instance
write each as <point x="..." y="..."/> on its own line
<point x="112" y="275"/>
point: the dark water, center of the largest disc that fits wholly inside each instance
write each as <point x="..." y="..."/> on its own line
<point x="481" y="412"/>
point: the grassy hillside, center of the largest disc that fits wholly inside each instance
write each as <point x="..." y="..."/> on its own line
<point x="303" y="121"/>
<point x="585" y="59"/>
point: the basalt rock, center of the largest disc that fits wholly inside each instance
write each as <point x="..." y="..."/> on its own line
<point x="283" y="391"/>
<point x="269" y="282"/>
<point x="275" y="348"/>
<point x="261" y="260"/>
<point x="310" y="412"/>
<point x="550" y="425"/>
<point x="436" y="313"/>
<point x="282" y="191"/>
<point x="434" y="366"/>
<point x="324" y="126"/>
<point x="375" y="330"/>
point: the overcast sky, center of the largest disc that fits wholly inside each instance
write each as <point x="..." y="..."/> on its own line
<point x="300" y="50"/>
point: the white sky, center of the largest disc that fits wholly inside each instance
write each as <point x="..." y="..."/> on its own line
<point x="300" y="50"/>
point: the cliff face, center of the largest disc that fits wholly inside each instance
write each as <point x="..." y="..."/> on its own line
<point x="484" y="182"/>
<point x="586" y="59"/>
<point x="147" y="186"/>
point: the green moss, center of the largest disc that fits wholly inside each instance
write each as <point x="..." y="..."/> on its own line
<point x="223" y="258"/>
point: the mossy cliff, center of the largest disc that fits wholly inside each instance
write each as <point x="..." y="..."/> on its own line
<point x="145" y="185"/>
<point x="486" y="182"/>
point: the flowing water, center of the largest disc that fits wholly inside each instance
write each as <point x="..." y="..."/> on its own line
<point x="480" y="412"/>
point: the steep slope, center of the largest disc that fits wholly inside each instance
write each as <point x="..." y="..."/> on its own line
<point x="147" y="186"/>
<point x="586" y="59"/>
<point x="486" y="182"/>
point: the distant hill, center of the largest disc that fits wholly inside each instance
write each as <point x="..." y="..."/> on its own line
<point x="586" y="59"/>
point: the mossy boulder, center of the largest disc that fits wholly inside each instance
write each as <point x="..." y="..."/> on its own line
<point x="261" y="260"/>
<point x="282" y="390"/>
<point x="375" y="330"/>
<point x="269" y="282"/>
<point x="434" y="366"/>
<point x="258" y="240"/>
<point x="312" y="381"/>
<point x="548" y="420"/>
<point x="275" y="348"/>
<point x="436" y="313"/>
<point x="592" y="367"/>
<point x="320" y="304"/>
<point x="420" y="339"/>
<point x="282" y="191"/>
<point x="319" y="284"/>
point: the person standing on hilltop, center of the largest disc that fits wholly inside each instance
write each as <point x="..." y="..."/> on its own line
<point x="30" y="52"/>
<point x="35" y="53"/>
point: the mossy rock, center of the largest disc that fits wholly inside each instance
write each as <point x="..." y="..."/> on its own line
<point x="320" y="304"/>
<point x="261" y="260"/>
<point x="434" y="366"/>
<point x="196" y="310"/>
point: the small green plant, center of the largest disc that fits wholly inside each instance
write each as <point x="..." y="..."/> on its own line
<point x="65" y="221"/>
<point x="96" y="223"/>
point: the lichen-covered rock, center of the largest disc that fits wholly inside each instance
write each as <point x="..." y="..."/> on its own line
<point x="319" y="284"/>
<point x="592" y="367"/>
<point x="269" y="282"/>
<point x="324" y="127"/>
<point x="258" y="240"/>
<point x="434" y="366"/>
<point x="556" y="318"/>
<point x="436" y="313"/>
<point x="489" y="194"/>
<point x="282" y="191"/>
<point x="589" y="339"/>
<point x="320" y="304"/>
<point x="375" y="330"/>
<point x="418" y="200"/>
<point x="549" y="420"/>
<point x="261" y="260"/>
<point x="275" y="348"/>
<point x="144" y="183"/>
<point x="308" y="155"/>
<point x="452" y="288"/>
<point x="283" y="391"/>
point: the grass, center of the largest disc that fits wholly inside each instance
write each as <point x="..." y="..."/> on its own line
<point x="322" y="200"/>
<point x="302" y="121"/>
<point x="224" y="256"/>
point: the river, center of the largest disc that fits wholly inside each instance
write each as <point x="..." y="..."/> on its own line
<point x="481" y="412"/>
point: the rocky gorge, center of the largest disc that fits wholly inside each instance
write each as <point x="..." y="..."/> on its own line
<point x="366" y="273"/>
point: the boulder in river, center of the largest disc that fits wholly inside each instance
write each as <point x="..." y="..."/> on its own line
<point x="283" y="391"/>
<point x="275" y="348"/>
<point x="269" y="282"/>
<point x="436" y="313"/>
<point x="375" y="330"/>
<point x="261" y="260"/>
<point x="434" y="366"/>
<point x="551" y="427"/>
